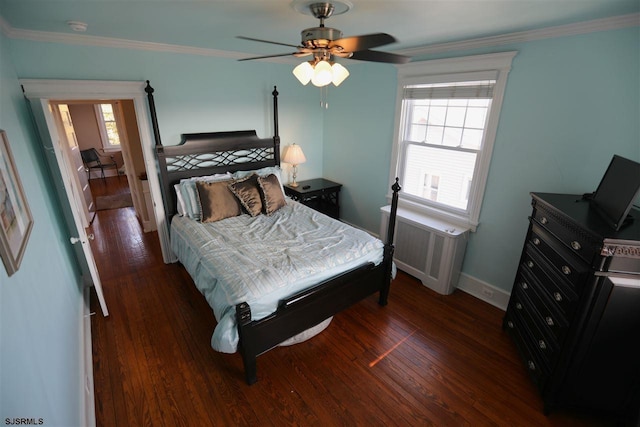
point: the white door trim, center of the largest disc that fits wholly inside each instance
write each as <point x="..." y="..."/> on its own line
<point x="92" y="90"/>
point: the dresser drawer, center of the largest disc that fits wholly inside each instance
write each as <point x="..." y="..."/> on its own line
<point x="579" y="243"/>
<point x="544" y="342"/>
<point x="562" y="260"/>
<point x="555" y="288"/>
<point x="516" y="329"/>
<point x="553" y="320"/>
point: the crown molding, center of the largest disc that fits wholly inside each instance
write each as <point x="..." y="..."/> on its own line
<point x="5" y="28"/>
<point x="97" y="41"/>
<point x="604" y="24"/>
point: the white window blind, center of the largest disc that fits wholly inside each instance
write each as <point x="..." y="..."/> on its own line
<point x="466" y="90"/>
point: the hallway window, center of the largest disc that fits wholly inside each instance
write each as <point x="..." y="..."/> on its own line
<point x="108" y="127"/>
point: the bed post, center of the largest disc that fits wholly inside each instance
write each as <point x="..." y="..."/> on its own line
<point x="389" y="247"/>
<point x="276" y="134"/>
<point x="154" y="116"/>
<point x="243" y="317"/>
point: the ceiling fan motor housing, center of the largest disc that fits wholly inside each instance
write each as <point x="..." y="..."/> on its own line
<point x="319" y="37"/>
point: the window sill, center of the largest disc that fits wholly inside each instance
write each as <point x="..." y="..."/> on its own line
<point x="111" y="150"/>
<point x="448" y="219"/>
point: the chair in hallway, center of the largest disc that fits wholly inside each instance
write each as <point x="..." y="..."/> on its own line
<point x="91" y="160"/>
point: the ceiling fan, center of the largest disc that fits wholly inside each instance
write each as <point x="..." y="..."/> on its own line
<point x="325" y="43"/>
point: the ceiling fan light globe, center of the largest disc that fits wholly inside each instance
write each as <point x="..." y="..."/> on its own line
<point x="340" y="74"/>
<point x="322" y="75"/>
<point x="303" y="72"/>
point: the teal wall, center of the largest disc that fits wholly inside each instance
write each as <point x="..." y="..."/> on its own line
<point x="570" y="104"/>
<point x="193" y="93"/>
<point x="41" y="304"/>
<point x="358" y="137"/>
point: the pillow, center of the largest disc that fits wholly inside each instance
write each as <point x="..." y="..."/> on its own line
<point x="217" y="201"/>
<point x="271" y="193"/>
<point x="276" y="170"/>
<point x="246" y="190"/>
<point x="180" y="206"/>
<point x="190" y="194"/>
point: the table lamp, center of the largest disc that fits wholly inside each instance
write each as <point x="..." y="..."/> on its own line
<point x="294" y="156"/>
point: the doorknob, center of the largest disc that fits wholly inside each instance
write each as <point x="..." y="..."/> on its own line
<point x="91" y="236"/>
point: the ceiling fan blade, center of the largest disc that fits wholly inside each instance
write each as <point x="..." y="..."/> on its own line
<point x="268" y="56"/>
<point x="367" y="41"/>
<point x="377" y="56"/>
<point x="265" y="41"/>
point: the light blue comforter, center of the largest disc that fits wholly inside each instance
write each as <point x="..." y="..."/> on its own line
<point x="263" y="259"/>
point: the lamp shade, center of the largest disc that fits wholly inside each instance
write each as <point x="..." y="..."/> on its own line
<point x="322" y="74"/>
<point x="294" y="155"/>
<point x="303" y="72"/>
<point x="340" y="73"/>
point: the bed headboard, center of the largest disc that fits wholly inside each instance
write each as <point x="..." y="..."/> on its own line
<point x="200" y="154"/>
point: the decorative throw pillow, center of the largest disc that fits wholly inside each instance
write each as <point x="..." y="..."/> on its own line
<point x="190" y="193"/>
<point x="271" y="192"/>
<point x="217" y="201"/>
<point x="246" y="190"/>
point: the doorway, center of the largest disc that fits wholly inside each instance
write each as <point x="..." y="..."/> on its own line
<point x="41" y="93"/>
<point x="107" y="130"/>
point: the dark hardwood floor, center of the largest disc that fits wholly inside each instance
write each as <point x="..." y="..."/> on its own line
<point x="425" y="359"/>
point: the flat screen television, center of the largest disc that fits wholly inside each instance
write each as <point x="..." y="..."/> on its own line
<point x="617" y="190"/>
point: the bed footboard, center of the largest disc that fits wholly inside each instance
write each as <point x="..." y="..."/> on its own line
<point x="308" y="308"/>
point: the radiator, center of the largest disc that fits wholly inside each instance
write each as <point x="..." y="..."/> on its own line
<point x="428" y="249"/>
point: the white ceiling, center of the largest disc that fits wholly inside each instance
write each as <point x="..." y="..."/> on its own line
<point x="214" y="24"/>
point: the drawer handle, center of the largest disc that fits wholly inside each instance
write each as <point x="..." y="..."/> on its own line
<point x="557" y="296"/>
<point x="532" y="366"/>
<point x="519" y="306"/>
<point x="530" y="264"/>
<point x="536" y="241"/>
<point x="542" y="344"/>
<point x="524" y="285"/>
<point x="549" y="320"/>
<point x="510" y="324"/>
<point x="544" y="220"/>
<point x="566" y="270"/>
<point x="576" y="245"/>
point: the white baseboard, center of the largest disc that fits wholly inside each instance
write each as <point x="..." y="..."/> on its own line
<point x="87" y="405"/>
<point x="484" y="291"/>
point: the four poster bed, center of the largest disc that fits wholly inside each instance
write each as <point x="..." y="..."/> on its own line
<point x="273" y="275"/>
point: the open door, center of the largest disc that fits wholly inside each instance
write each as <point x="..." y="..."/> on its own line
<point x="62" y="117"/>
<point x="64" y="155"/>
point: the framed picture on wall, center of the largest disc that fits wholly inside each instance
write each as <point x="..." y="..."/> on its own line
<point x="16" y="221"/>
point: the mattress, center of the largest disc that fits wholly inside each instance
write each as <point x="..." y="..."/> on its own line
<point x="262" y="260"/>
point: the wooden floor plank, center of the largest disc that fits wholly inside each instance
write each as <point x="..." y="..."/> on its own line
<point x="424" y="359"/>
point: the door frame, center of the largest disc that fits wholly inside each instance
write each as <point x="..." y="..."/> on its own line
<point x="39" y="90"/>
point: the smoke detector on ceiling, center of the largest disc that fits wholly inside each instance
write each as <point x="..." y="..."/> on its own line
<point x="77" y="26"/>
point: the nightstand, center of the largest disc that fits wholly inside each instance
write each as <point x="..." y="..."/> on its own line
<point x="319" y="194"/>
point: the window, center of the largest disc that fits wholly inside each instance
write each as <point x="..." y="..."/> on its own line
<point x="105" y="113"/>
<point x="447" y="117"/>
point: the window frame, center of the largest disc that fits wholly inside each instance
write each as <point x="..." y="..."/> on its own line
<point x="450" y="70"/>
<point x="104" y="136"/>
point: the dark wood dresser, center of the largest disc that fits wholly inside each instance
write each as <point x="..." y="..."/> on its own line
<point x="574" y="311"/>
